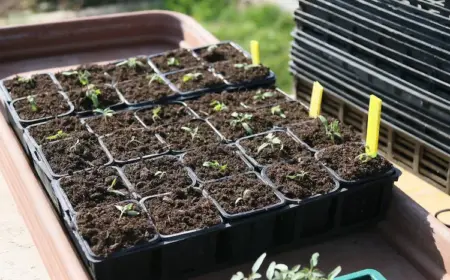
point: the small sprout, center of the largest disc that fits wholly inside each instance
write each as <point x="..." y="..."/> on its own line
<point x="242" y="119"/>
<point x="92" y="93"/>
<point x="168" y="200"/>
<point x="272" y="141"/>
<point x="83" y="76"/>
<point x="302" y="174"/>
<point x="276" y="110"/>
<point x="132" y="63"/>
<point x="191" y="131"/>
<point x="133" y="139"/>
<point x="245" y="195"/>
<point x="246" y="66"/>
<point x="155" y="113"/>
<point x="172" y="61"/>
<point x="192" y="77"/>
<point x="26" y="80"/>
<point x="216" y="165"/>
<point x="160" y="174"/>
<point x="219" y="106"/>
<point x="112" y="190"/>
<point x="106" y="113"/>
<point x="243" y="105"/>
<point x="211" y="48"/>
<point x="155" y="78"/>
<point x="260" y="95"/>
<point x="74" y="146"/>
<point x="32" y="100"/>
<point x="127" y="210"/>
<point x="365" y="157"/>
<point x="332" y="130"/>
<point x="59" y="135"/>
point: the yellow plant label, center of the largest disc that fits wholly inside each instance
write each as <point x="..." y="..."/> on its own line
<point x="316" y="100"/>
<point x="373" y="126"/>
<point x="254" y="47"/>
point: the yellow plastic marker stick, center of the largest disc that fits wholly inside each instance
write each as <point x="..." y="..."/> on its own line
<point x="254" y="47"/>
<point x="316" y="100"/>
<point x="373" y="126"/>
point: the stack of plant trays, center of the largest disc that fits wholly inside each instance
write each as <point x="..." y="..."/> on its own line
<point x="397" y="51"/>
<point x="176" y="164"/>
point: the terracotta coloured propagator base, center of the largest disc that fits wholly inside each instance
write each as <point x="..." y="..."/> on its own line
<point x="423" y="242"/>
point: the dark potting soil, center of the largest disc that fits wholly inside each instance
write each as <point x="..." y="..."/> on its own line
<point x="224" y="155"/>
<point x="310" y="179"/>
<point x="345" y="161"/>
<point x="222" y="52"/>
<point x="179" y="138"/>
<point x="107" y="98"/>
<point x="207" y="105"/>
<point x="182" y="210"/>
<point x="49" y="104"/>
<point x="107" y="233"/>
<point x="198" y="78"/>
<point x="242" y="193"/>
<point x="87" y="189"/>
<point x="39" y="84"/>
<point x="175" y="60"/>
<point x="237" y="73"/>
<point x="141" y="90"/>
<point x="170" y="113"/>
<point x="71" y="82"/>
<point x="287" y="150"/>
<point x="157" y="176"/>
<point x="288" y="113"/>
<point x="127" y="144"/>
<point x="104" y="125"/>
<point x="314" y="133"/>
<point x="223" y="122"/>
<point x="48" y="131"/>
<point x="126" y="72"/>
<point x="74" y="154"/>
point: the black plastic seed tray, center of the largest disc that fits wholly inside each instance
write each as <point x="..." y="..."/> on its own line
<point x="426" y="9"/>
<point x="346" y="40"/>
<point x="358" y="95"/>
<point x="415" y="97"/>
<point x="329" y="11"/>
<point x="370" y="52"/>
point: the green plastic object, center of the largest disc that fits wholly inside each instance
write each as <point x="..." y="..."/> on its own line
<point x="366" y="274"/>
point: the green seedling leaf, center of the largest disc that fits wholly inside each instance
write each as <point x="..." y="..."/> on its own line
<point x="127" y="210"/>
<point x="160" y="174"/>
<point x="70" y="73"/>
<point x="299" y="175"/>
<point x="112" y="190"/>
<point x="192" y="77"/>
<point x="276" y="110"/>
<point x="246" y="66"/>
<point x="191" y="131"/>
<point x="155" y="78"/>
<point x="272" y="141"/>
<point x="242" y="119"/>
<point x="26" y="80"/>
<point x="271" y="270"/>
<point x="59" y="135"/>
<point x="155" y="113"/>
<point x="106" y="113"/>
<point x="219" y="106"/>
<point x="332" y="129"/>
<point x="92" y="93"/>
<point x="243" y="105"/>
<point x="32" y="100"/>
<point x="314" y="260"/>
<point x="132" y="62"/>
<point x="334" y="273"/>
<point x="172" y="61"/>
<point x="262" y="95"/>
<point x="83" y="77"/>
<point x="216" y="165"/>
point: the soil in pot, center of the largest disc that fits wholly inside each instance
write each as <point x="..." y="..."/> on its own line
<point x="76" y="79"/>
<point x="23" y="86"/>
<point x="87" y="189"/>
<point x="107" y="232"/>
<point x="274" y="147"/>
<point x="161" y="115"/>
<point x="222" y="52"/>
<point x="105" y="95"/>
<point x="145" y="89"/>
<point x="210" y="104"/>
<point x="284" y="113"/>
<point x="73" y="154"/>
<point x="50" y="131"/>
<point x="242" y="193"/>
<point x="174" y="60"/>
<point x="301" y="179"/>
<point x="181" y="211"/>
<point x="350" y="162"/>
<point x="322" y="133"/>
<point x="188" y="135"/>
<point x="157" y="176"/>
<point x="40" y="106"/>
<point x="240" y="123"/>
<point x="213" y="162"/>
<point x="131" y="69"/>
<point x="103" y="125"/>
<point x="128" y="144"/>
<point x="237" y="73"/>
<point x="195" y="79"/>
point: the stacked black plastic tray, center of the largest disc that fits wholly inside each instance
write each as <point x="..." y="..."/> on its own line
<point x="397" y="51"/>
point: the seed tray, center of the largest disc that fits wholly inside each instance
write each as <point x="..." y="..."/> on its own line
<point x="423" y="9"/>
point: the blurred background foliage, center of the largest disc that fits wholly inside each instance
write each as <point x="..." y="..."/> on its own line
<point x="235" y="20"/>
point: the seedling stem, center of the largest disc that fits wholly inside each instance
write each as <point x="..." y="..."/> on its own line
<point x="32" y="100"/>
<point x="127" y="210"/>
